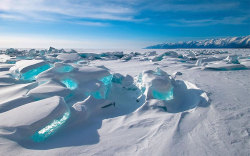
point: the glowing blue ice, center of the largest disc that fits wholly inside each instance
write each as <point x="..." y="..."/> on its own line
<point x="103" y="92"/>
<point x="107" y="81"/>
<point x="98" y="95"/>
<point x="69" y="83"/>
<point x="50" y="129"/>
<point x="65" y="69"/>
<point x="31" y="74"/>
<point x="10" y="61"/>
<point x="169" y="95"/>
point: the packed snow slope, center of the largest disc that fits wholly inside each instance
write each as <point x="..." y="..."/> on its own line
<point x="229" y="42"/>
<point x="145" y="102"/>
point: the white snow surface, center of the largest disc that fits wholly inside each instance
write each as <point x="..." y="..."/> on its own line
<point x="102" y="102"/>
<point x="26" y="65"/>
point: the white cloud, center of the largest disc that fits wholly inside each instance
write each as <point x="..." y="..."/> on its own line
<point x="87" y="23"/>
<point x="40" y="9"/>
<point x="94" y="12"/>
<point x="11" y="17"/>
<point x="208" y="7"/>
<point x="206" y="22"/>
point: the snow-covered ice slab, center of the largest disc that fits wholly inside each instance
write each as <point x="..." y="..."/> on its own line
<point x="155" y="84"/>
<point x="4" y="58"/>
<point x="167" y="94"/>
<point x="22" y="122"/>
<point x="28" y="69"/>
<point x="48" y="89"/>
<point x="84" y="80"/>
<point x="68" y="57"/>
<point x="221" y="65"/>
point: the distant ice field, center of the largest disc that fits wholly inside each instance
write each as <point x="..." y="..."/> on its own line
<point x="124" y="101"/>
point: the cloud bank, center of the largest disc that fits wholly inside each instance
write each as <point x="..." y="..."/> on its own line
<point x="103" y="12"/>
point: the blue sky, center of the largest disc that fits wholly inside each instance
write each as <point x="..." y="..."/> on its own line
<point x="118" y="23"/>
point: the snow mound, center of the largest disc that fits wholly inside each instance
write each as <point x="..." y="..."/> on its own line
<point x="167" y="94"/>
<point x="24" y="121"/>
<point x="232" y="59"/>
<point x="155" y="84"/>
<point x="4" y="58"/>
<point x="222" y="66"/>
<point x="161" y="56"/>
<point x="71" y="57"/>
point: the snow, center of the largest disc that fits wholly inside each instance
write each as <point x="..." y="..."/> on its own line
<point x="28" y="69"/>
<point x="68" y="57"/>
<point x="188" y="102"/>
<point x="155" y="84"/>
<point x="23" y="121"/>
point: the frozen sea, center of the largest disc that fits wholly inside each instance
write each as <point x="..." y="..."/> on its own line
<point x="124" y="102"/>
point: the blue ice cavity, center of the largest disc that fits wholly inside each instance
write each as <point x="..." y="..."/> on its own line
<point x="31" y="74"/>
<point x="168" y="95"/>
<point x="65" y="69"/>
<point x="50" y="129"/>
<point x="70" y="83"/>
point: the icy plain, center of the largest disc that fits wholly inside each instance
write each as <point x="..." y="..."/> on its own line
<point x="124" y="102"/>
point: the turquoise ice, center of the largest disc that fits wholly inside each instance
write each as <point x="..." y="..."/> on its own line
<point x="103" y="91"/>
<point x="50" y="129"/>
<point x="65" y="69"/>
<point x="31" y="74"/>
<point x="169" y="95"/>
<point x="70" y="83"/>
<point x="107" y="81"/>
